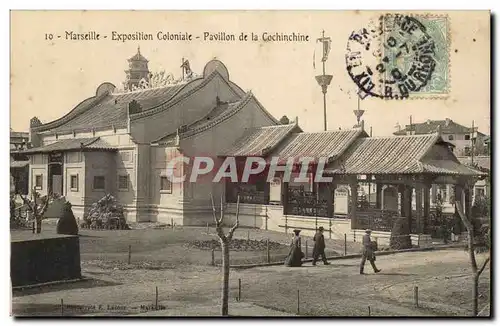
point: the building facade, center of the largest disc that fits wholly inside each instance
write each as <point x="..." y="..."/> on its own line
<point x="120" y="142"/>
<point x="458" y="135"/>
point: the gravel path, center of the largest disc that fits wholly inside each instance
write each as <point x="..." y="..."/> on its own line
<point x="336" y="290"/>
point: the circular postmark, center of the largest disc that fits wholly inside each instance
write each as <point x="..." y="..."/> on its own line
<point x="391" y="61"/>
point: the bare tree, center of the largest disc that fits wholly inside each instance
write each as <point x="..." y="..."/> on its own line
<point x="37" y="206"/>
<point x="225" y="241"/>
<point x="476" y="272"/>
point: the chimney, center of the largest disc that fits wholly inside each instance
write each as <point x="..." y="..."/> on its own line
<point x="447" y="123"/>
<point x="439" y="130"/>
<point x="362" y="125"/>
<point x="428" y="121"/>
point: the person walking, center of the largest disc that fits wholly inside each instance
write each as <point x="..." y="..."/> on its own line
<point x="368" y="253"/>
<point x="319" y="247"/>
<point x="295" y="255"/>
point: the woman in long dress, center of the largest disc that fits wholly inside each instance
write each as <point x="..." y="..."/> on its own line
<point x="294" y="258"/>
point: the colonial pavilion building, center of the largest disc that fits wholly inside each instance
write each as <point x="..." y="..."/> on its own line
<point x="119" y="142"/>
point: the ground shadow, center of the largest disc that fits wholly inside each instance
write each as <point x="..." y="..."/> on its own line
<point x="85" y="283"/>
<point x="396" y="274"/>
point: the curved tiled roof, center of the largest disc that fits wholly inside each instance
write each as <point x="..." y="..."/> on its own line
<point x="111" y="109"/>
<point x="325" y="144"/>
<point x="396" y="155"/>
<point x="187" y="91"/>
<point x="95" y="143"/>
<point x="260" y="141"/>
<point x="217" y="115"/>
<point x="380" y="155"/>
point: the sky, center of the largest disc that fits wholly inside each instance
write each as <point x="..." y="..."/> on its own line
<point x="50" y="77"/>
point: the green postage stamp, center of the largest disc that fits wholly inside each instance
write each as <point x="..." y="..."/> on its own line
<point x="418" y="40"/>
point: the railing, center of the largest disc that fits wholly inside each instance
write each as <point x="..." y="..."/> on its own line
<point x="376" y="220"/>
<point x="305" y="203"/>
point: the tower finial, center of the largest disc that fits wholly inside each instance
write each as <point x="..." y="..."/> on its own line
<point x="139" y="49"/>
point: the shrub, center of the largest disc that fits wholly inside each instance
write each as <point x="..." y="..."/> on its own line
<point x="106" y="213"/>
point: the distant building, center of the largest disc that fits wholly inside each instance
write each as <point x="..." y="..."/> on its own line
<point x="137" y="71"/>
<point x="19" y="162"/>
<point x="481" y="163"/>
<point x="457" y="134"/>
<point x="460" y="136"/>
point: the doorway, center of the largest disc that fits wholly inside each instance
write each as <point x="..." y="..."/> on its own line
<point x="55" y="179"/>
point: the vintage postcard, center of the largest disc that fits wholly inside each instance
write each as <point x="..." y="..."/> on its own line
<point x="250" y="163"/>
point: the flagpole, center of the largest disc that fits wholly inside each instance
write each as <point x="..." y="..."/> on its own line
<point x="324" y="79"/>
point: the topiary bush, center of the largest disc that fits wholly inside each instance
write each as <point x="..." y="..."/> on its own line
<point x="106" y="213"/>
<point x="67" y="222"/>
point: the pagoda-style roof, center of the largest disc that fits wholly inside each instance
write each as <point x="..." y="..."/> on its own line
<point x="83" y="144"/>
<point x="107" y="109"/>
<point x="138" y="56"/>
<point x="288" y="141"/>
<point x="399" y="155"/>
<point x="324" y="144"/>
<point x="260" y="141"/>
<point x="217" y="115"/>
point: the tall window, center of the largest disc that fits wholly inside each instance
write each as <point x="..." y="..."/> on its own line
<point x="99" y="182"/>
<point x="123" y="181"/>
<point x="165" y="185"/>
<point x="74" y="182"/>
<point x="39" y="182"/>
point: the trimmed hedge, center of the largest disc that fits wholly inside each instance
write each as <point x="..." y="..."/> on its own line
<point x="45" y="260"/>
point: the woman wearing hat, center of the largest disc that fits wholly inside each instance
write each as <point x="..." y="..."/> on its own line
<point x="294" y="258"/>
<point x="368" y="253"/>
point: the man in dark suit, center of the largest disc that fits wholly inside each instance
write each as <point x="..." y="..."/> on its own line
<point x="368" y="253"/>
<point x="319" y="247"/>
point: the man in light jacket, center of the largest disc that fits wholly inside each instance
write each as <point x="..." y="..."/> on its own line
<point x="368" y="253"/>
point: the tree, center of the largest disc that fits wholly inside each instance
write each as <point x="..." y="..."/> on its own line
<point x="225" y="241"/>
<point x="476" y="272"/>
<point x="37" y="206"/>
